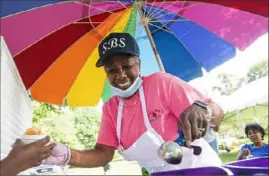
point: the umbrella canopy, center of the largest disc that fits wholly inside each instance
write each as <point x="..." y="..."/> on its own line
<point x="54" y="43"/>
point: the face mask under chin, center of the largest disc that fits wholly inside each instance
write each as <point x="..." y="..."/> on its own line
<point x="129" y="91"/>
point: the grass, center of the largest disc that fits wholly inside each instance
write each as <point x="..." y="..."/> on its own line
<point x="228" y="157"/>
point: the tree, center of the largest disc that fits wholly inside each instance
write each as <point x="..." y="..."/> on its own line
<point x="257" y="71"/>
<point x="228" y="83"/>
<point x="86" y="122"/>
<point x="77" y="128"/>
<point x="43" y="110"/>
<point x="61" y="129"/>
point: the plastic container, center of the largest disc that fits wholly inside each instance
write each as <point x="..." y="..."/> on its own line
<point x="27" y="139"/>
<point x="253" y="166"/>
<point x="197" y="171"/>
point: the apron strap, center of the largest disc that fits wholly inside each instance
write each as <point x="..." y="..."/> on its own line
<point x="119" y="117"/>
<point x="145" y="114"/>
<point x="144" y="109"/>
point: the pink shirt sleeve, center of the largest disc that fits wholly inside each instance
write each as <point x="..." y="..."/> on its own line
<point x="107" y="132"/>
<point x="181" y="95"/>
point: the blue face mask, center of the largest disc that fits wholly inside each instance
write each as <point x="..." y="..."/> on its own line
<point x="128" y="92"/>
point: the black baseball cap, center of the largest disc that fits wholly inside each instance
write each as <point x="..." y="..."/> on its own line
<point x="117" y="43"/>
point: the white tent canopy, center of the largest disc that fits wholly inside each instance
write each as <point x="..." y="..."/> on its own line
<point x="16" y="110"/>
<point x="250" y="94"/>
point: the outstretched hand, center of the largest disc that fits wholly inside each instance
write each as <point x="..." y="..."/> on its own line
<point x="24" y="156"/>
<point x="193" y="123"/>
<point x="60" y="156"/>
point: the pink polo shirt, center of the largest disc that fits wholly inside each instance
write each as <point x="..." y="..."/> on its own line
<point x="166" y="97"/>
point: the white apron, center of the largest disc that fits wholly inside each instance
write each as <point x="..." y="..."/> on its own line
<point x="144" y="149"/>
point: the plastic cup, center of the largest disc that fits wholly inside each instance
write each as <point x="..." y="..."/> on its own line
<point x="27" y="139"/>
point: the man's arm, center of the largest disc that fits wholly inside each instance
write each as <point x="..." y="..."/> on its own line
<point x="7" y="167"/>
<point x="107" y="143"/>
<point x="97" y="157"/>
<point x="192" y="117"/>
<point x="240" y="155"/>
<point x="218" y="115"/>
<point x="100" y="155"/>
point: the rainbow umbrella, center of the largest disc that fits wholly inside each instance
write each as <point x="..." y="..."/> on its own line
<point x="54" y="43"/>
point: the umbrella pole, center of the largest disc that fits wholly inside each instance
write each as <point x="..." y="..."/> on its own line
<point x="144" y="21"/>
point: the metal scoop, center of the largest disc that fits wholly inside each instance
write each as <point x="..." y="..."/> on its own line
<point x="172" y="152"/>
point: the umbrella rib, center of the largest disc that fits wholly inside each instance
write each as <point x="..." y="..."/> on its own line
<point x="152" y="15"/>
<point x="124" y="16"/>
<point x="46" y="36"/>
<point x="150" y="9"/>
<point x="159" y="28"/>
<point x="156" y="8"/>
<point x="103" y="10"/>
<point x="168" y="12"/>
<point x="176" y="12"/>
<point x="54" y="32"/>
<point x="100" y="22"/>
<point x="158" y="11"/>
<point x="169" y="20"/>
<point x="89" y="12"/>
<point x="167" y="6"/>
<point x="18" y="13"/>
<point x="122" y="4"/>
<point x="147" y="10"/>
<point x="105" y="1"/>
<point x="198" y="23"/>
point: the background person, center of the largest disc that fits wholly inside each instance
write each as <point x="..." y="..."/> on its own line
<point x="257" y="148"/>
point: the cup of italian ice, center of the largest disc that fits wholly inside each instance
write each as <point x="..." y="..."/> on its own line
<point x="31" y="135"/>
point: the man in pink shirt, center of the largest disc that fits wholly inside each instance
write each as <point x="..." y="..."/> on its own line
<point x="144" y="113"/>
<point x="164" y="107"/>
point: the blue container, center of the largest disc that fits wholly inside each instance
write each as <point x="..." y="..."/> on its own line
<point x="197" y="171"/>
<point x="249" y="166"/>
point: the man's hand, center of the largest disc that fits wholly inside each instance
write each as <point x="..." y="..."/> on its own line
<point x="246" y="152"/>
<point x="60" y="156"/>
<point x="242" y="153"/>
<point x="193" y="123"/>
<point x="23" y="157"/>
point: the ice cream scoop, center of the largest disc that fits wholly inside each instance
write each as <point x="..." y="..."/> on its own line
<point x="172" y="152"/>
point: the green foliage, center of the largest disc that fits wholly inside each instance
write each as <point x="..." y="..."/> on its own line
<point x="77" y="128"/>
<point x="61" y="129"/>
<point x="257" y="71"/>
<point x="43" y="110"/>
<point x="86" y="122"/>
